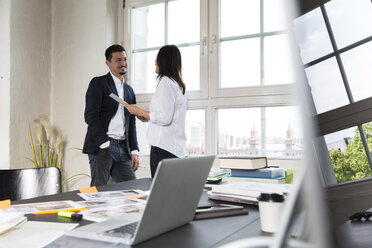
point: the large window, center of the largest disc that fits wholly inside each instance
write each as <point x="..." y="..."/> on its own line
<point x="194" y="129"/>
<point x="237" y="66"/>
<point x="273" y="132"/>
<point x="155" y="25"/>
<point x="195" y="132"/>
<point x="336" y="49"/>
<point x="252" y="44"/>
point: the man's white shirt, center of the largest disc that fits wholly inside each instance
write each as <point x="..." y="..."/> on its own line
<point x="116" y="128"/>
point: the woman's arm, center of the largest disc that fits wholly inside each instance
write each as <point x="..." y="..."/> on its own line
<point x="163" y="102"/>
<point x="142" y="114"/>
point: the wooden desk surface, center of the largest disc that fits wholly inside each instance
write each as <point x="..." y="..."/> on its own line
<point x="200" y="233"/>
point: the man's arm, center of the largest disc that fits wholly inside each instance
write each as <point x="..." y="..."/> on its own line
<point x="132" y="132"/>
<point x="133" y="143"/>
<point x="93" y="105"/>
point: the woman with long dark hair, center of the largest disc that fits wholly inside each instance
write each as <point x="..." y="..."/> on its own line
<point x="167" y="113"/>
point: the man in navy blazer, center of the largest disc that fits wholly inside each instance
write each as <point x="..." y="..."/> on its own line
<point x="111" y="138"/>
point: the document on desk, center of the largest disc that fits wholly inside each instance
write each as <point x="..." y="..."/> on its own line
<point x="35" y="234"/>
<point x="107" y="195"/>
<point x="30" y="208"/>
<point x="102" y="210"/>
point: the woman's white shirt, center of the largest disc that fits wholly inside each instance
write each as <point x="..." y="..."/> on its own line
<point x="166" y="127"/>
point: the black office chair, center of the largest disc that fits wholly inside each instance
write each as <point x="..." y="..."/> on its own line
<point x="19" y="184"/>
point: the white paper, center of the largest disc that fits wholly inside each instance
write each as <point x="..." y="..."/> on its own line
<point x="9" y="221"/>
<point x="34" y="234"/>
<point x="116" y="98"/>
<point x="10" y="217"/>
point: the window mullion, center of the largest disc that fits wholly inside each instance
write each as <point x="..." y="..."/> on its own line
<point x="166" y="22"/>
<point x="262" y="78"/>
<point x="262" y="51"/>
<point x="337" y="54"/>
<point x="263" y="131"/>
<point x="365" y="145"/>
<point x="213" y="58"/>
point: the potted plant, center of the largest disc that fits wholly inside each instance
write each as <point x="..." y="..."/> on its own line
<point x="49" y="147"/>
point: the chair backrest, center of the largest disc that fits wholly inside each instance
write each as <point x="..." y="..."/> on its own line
<point x="19" y="184"/>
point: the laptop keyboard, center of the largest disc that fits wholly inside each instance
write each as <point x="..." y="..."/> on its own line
<point x="122" y="231"/>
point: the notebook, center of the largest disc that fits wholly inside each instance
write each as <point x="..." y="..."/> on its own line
<point x="175" y="193"/>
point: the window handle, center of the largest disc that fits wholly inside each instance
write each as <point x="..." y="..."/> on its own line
<point x="212" y="41"/>
<point x="204" y="44"/>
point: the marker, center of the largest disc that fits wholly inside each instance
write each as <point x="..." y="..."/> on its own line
<point x="71" y="215"/>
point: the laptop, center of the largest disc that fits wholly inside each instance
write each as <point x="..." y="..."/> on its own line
<point x="175" y="193"/>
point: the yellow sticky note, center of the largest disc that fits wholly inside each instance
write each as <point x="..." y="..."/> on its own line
<point x="89" y="190"/>
<point x="5" y="204"/>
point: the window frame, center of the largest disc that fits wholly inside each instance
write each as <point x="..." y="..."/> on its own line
<point x="210" y="97"/>
<point x="338" y="119"/>
<point x="146" y="97"/>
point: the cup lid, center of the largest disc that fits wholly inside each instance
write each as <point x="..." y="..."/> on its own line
<point x="271" y="197"/>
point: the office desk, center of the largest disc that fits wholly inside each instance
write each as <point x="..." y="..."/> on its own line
<point x="357" y="234"/>
<point x="200" y="233"/>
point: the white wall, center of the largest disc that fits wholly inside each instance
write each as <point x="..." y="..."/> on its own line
<point x="4" y="82"/>
<point x="112" y="21"/>
<point x="30" y="59"/>
<point x="50" y="51"/>
<point x="80" y="30"/>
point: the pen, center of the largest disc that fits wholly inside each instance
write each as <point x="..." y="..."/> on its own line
<point x="56" y="211"/>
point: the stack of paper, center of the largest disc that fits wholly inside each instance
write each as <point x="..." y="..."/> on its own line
<point x="8" y="221"/>
<point x="246" y="191"/>
<point x="35" y="234"/>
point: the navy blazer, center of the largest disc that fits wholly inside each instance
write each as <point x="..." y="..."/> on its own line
<point x="100" y="108"/>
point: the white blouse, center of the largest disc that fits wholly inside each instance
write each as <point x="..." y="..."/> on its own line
<point x="166" y="127"/>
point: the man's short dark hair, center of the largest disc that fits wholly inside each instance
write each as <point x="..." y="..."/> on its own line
<point x="113" y="49"/>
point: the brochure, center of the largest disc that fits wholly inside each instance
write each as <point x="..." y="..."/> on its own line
<point x="31" y="208"/>
<point x="106" y="195"/>
<point x="99" y="210"/>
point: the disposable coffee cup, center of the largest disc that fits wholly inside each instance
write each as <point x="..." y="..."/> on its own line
<point x="270" y="208"/>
